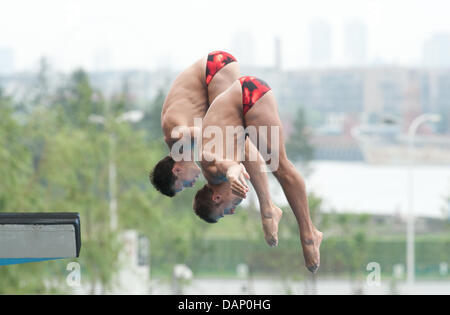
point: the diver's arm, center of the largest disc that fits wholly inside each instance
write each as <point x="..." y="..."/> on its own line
<point x="235" y="172"/>
<point x="258" y="177"/>
<point x="182" y="133"/>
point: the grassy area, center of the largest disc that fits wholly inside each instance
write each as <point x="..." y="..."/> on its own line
<point x="339" y="257"/>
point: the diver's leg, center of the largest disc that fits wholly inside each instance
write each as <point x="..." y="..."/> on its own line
<point x="270" y="214"/>
<point x="264" y="113"/>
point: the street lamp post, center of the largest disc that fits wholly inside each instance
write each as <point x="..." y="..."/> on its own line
<point x="130" y="116"/>
<point x="410" y="264"/>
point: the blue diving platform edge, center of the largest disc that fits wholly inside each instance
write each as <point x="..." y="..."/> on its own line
<point x="56" y="233"/>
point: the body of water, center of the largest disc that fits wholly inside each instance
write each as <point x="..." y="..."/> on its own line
<point x="363" y="188"/>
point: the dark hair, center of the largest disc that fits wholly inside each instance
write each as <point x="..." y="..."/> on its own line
<point x="162" y="176"/>
<point x="203" y="204"/>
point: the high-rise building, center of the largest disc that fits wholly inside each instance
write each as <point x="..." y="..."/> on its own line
<point x="6" y="60"/>
<point x="436" y="51"/>
<point x="355" y="45"/>
<point x="320" y="43"/>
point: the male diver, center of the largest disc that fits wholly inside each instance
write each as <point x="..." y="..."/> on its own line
<point x="250" y="103"/>
<point x="189" y="98"/>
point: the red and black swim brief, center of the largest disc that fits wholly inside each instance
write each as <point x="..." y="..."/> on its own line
<point x="216" y="61"/>
<point x="252" y="90"/>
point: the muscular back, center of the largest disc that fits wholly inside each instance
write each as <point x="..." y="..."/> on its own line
<point x="225" y="111"/>
<point x="187" y="99"/>
<point x="189" y="96"/>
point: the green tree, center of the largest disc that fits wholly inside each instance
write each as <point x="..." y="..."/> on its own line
<point x="76" y="100"/>
<point x="16" y="170"/>
<point x="298" y="146"/>
<point x="151" y="122"/>
<point x="55" y="161"/>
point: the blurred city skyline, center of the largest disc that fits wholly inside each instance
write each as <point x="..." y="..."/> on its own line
<point x="121" y="35"/>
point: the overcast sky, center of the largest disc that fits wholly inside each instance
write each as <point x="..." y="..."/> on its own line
<point x="146" y="34"/>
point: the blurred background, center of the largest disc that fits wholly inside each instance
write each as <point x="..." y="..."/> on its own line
<point x="364" y="95"/>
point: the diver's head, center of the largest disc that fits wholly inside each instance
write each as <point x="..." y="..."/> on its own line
<point x="213" y="202"/>
<point x="170" y="177"/>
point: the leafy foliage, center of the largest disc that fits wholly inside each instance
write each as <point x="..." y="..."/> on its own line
<point x="298" y="147"/>
<point x="56" y="159"/>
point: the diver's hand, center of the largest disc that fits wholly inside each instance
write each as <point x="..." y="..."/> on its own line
<point x="236" y="175"/>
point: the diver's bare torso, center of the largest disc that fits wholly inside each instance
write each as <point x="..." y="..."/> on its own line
<point x="190" y="96"/>
<point x="186" y="100"/>
<point x="225" y="111"/>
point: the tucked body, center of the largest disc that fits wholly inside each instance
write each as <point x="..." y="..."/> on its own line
<point x="189" y="98"/>
<point x="249" y="102"/>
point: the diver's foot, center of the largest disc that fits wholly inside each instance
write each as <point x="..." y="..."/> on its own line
<point x="311" y="250"/>
<point x="270" y="220"/>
